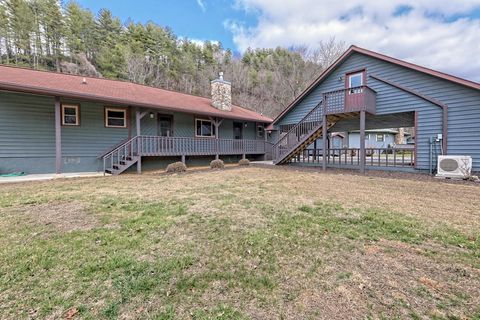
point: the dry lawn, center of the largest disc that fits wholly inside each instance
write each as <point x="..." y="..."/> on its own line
<point x="249" y="242"/>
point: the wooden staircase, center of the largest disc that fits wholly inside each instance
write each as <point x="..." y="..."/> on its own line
<point x="122" y="165"/>
<point x="121" y="157"/>
<point x="304" y="133"/>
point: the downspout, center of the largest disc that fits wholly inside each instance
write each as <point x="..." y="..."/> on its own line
<point x="443" y="106"/>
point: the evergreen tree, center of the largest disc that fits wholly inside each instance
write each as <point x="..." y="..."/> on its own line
<point x="21" y="25"/>
<point x="79" y="29"/>
<point x="110" y="54"/>
<point x="4" y="42"/>
<point x="53" y="26"/>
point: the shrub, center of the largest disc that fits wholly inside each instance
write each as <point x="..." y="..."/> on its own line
<point x="176" y="167"/>
<point x="244" y="162"/>
<point x="217" y="164"/>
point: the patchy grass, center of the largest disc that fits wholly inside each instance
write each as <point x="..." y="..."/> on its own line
<point x="239" y="244"/>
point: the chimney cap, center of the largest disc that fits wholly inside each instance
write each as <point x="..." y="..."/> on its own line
<point x="220" y="78"/>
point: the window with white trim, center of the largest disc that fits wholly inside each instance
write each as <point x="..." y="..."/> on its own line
<point x="204" y="128"/>
<point x="380" y="137"/>
<point x="115" y="117"/>
<point x="70" y="115"/>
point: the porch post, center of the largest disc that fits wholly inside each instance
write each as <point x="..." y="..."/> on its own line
<point x="137" y="126"/>
<point x="362" y="142"/>
<point x="138" y="116"/>
<point x="265" y="134"/>
<point x="324" y="136"/>
<point x="58" y="136"/>
<point x="216" y="124"/>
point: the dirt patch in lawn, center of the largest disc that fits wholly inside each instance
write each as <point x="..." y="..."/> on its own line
<point x="62" y="217"/>
<point x="391" y="279"/>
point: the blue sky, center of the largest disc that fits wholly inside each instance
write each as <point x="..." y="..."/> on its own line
<point x="440" y="34"/>
<point x="196" y="19"/>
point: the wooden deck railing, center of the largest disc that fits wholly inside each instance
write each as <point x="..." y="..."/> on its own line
<point x="189" y="146"/>
<point x="374" y="157"/>
<point x="181" y="146"/>
<point x="355" y="99"/>
<point x="122" y="153"/>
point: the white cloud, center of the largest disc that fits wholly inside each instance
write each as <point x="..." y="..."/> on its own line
<point x="435" y="33"/>
<point x="202" y="5"/>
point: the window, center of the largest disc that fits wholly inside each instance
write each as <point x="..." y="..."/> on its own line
<point x="70" y="115"/>
<point x="115" y="117"/>
<point x="380" y="137"/>
<point x="367" y="136"/>
<point x="354" y="81"/>
<point x="204" y="128"/>
<point x="260" y="131"/>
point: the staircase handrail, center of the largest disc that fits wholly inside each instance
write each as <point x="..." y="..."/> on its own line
<point x="300" y="122"/>
<point x="123" y="145"/>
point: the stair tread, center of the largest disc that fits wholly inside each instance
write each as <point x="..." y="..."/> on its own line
<point x="123" y="165"/>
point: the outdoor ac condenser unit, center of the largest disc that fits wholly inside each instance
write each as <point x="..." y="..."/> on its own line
<point x="454" y="166"/>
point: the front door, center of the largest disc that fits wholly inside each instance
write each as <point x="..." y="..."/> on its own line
<point x="165" y="125"/>
<point x="237" y="130"/>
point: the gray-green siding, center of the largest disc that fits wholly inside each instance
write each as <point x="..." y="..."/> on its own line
<point x="463" y="105"/>
<point x="27" y="134"/>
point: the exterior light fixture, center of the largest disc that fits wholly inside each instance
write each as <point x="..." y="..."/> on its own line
<point x="152" y="115"/>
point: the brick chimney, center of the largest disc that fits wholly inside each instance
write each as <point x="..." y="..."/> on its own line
<point x="221" y="93"/>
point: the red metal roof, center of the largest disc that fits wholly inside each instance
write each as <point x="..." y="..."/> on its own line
<point x="115" y="92"/>
<point x="350" y="51"/>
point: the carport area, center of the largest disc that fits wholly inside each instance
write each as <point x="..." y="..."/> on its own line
<point x="340" y="154"/>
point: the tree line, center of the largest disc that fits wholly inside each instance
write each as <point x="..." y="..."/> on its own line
<point x="47" y="35"/>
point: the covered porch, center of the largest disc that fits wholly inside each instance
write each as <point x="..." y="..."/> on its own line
<point x="159" y="133"/>
<point x="399" y="156"/>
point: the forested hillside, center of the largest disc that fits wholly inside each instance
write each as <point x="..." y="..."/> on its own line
<point x="44" y="34"/>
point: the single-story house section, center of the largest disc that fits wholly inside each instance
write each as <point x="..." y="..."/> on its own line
<point x="377" y="139"/>
<point x="52" y="122"/>
<point x="364" y="90"/>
